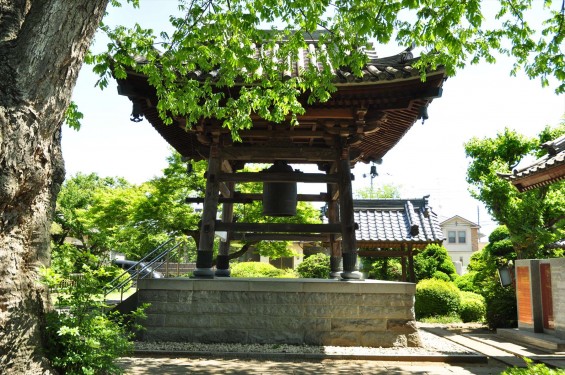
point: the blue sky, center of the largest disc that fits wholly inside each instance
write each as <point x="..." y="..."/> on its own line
<point x="478" y="102"/>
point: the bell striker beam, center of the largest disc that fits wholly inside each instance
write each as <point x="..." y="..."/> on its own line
<point x="223" y="261"/>
<point x="348" y="242"/>
<point x="205" y="252"/>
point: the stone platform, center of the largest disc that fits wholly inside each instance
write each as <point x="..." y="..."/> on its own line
<point x="291" y="311"/>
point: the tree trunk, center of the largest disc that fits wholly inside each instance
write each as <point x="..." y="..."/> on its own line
<point x="42" y="47"/>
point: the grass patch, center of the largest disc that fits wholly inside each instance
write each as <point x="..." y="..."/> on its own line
<point x="443" y="319"/>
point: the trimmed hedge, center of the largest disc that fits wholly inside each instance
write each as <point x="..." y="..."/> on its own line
<point x="436" y="298"/>
<point x="259" y="269"/>
<point x="472" y="308"/>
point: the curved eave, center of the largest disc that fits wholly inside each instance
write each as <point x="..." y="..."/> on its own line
<point x="394" y="101"/>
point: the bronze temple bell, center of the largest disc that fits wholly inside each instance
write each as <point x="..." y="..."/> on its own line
<point x="279" y="198"/>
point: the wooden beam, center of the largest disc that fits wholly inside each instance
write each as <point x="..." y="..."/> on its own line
<point x="220" y="200"/>
<point x="321" y="113"/>
<point x="278" y="177"/>
<point x="283" y="133"/>
<point x="278" y="227"/>
<point x="383" y="253"/>
<point x="305" y="237"/>
<point x="249" y="198"/>
<point x="322" y="197"/>
<point x="269" y="154"/>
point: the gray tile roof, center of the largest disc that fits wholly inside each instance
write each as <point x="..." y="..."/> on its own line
<point x="388" y="221"/>
<point x="549" y="168"/>
<point x="388" y="68"/>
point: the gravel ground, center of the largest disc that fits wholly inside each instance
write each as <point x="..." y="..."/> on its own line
<point x="432" y="345"/>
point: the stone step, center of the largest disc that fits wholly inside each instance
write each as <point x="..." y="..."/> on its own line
<point x="540" y="340"/>
<point x="480" y="347"/>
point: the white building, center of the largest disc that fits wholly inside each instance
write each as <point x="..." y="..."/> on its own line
<point x="461" y="239"/>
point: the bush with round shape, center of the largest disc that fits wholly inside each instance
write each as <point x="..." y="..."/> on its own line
<point x="433" y="258"/>
<point x="436" y="298"/>
<point x="438" y="275"/>
<point x="316" y="266"/>
<point x="257" y="269"/>
<point x="472" y="308"/>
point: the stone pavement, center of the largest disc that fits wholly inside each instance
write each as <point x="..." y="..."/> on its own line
<point x="499" y="354"/>
<point x="188" y="365"/>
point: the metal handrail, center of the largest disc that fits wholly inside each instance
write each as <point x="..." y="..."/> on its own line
<point x="141" y="260"/>
<point x="137" y="270"/>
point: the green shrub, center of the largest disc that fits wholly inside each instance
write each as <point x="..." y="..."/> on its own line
<point x="472" y="308"/>
<point x="84" y="339"/>
<point x="436" y="297"/>
<point x="501" y="308"/>
<point x="259" y="269"/>
<point x="316" y="266"/>
<point x="382" y="268"/>
<point x="500" y="233"/>
<point x="433" y="258"/>
<point x="466" y="282"/>
<point x="438" y="275"/>
<point x="538" y="368"/>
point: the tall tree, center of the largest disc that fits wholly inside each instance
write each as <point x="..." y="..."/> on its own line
<point x="535" y="218"/>
<point x="43" y="43"/>
<point x="42" y="47"/>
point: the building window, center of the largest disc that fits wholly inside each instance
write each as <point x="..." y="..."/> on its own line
<point x="462" y="236"/>
<point x="451" y="236"/>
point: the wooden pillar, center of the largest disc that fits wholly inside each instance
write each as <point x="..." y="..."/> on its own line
<point x="205" y="252"/>
<point x="403" y="263"/>
<point x="348" y="242"/>
<point x="223" y="262"/>
<point x="335" y="246"/>
<point x="411" y="265"/>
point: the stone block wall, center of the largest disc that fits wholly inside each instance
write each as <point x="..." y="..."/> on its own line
<point x="291" y="311"/>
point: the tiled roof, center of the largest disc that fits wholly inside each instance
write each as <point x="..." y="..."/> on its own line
<point x="384" y="222"/>
<point x="374" y="110"/>
<point x="544" y="171"/>
<point x="377" y="69"/>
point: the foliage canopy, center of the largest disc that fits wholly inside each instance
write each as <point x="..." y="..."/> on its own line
<point x="223" y="35"/>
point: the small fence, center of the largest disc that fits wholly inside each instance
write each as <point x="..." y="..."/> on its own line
<point x="170" y="269"/>
<point x="67" y="283"/>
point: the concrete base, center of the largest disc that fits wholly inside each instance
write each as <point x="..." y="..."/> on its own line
<point x="352" y="275"/>
<point x="222" y="273"/>
<point x="292" y="311"/>
<point x="203" y="273"/>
